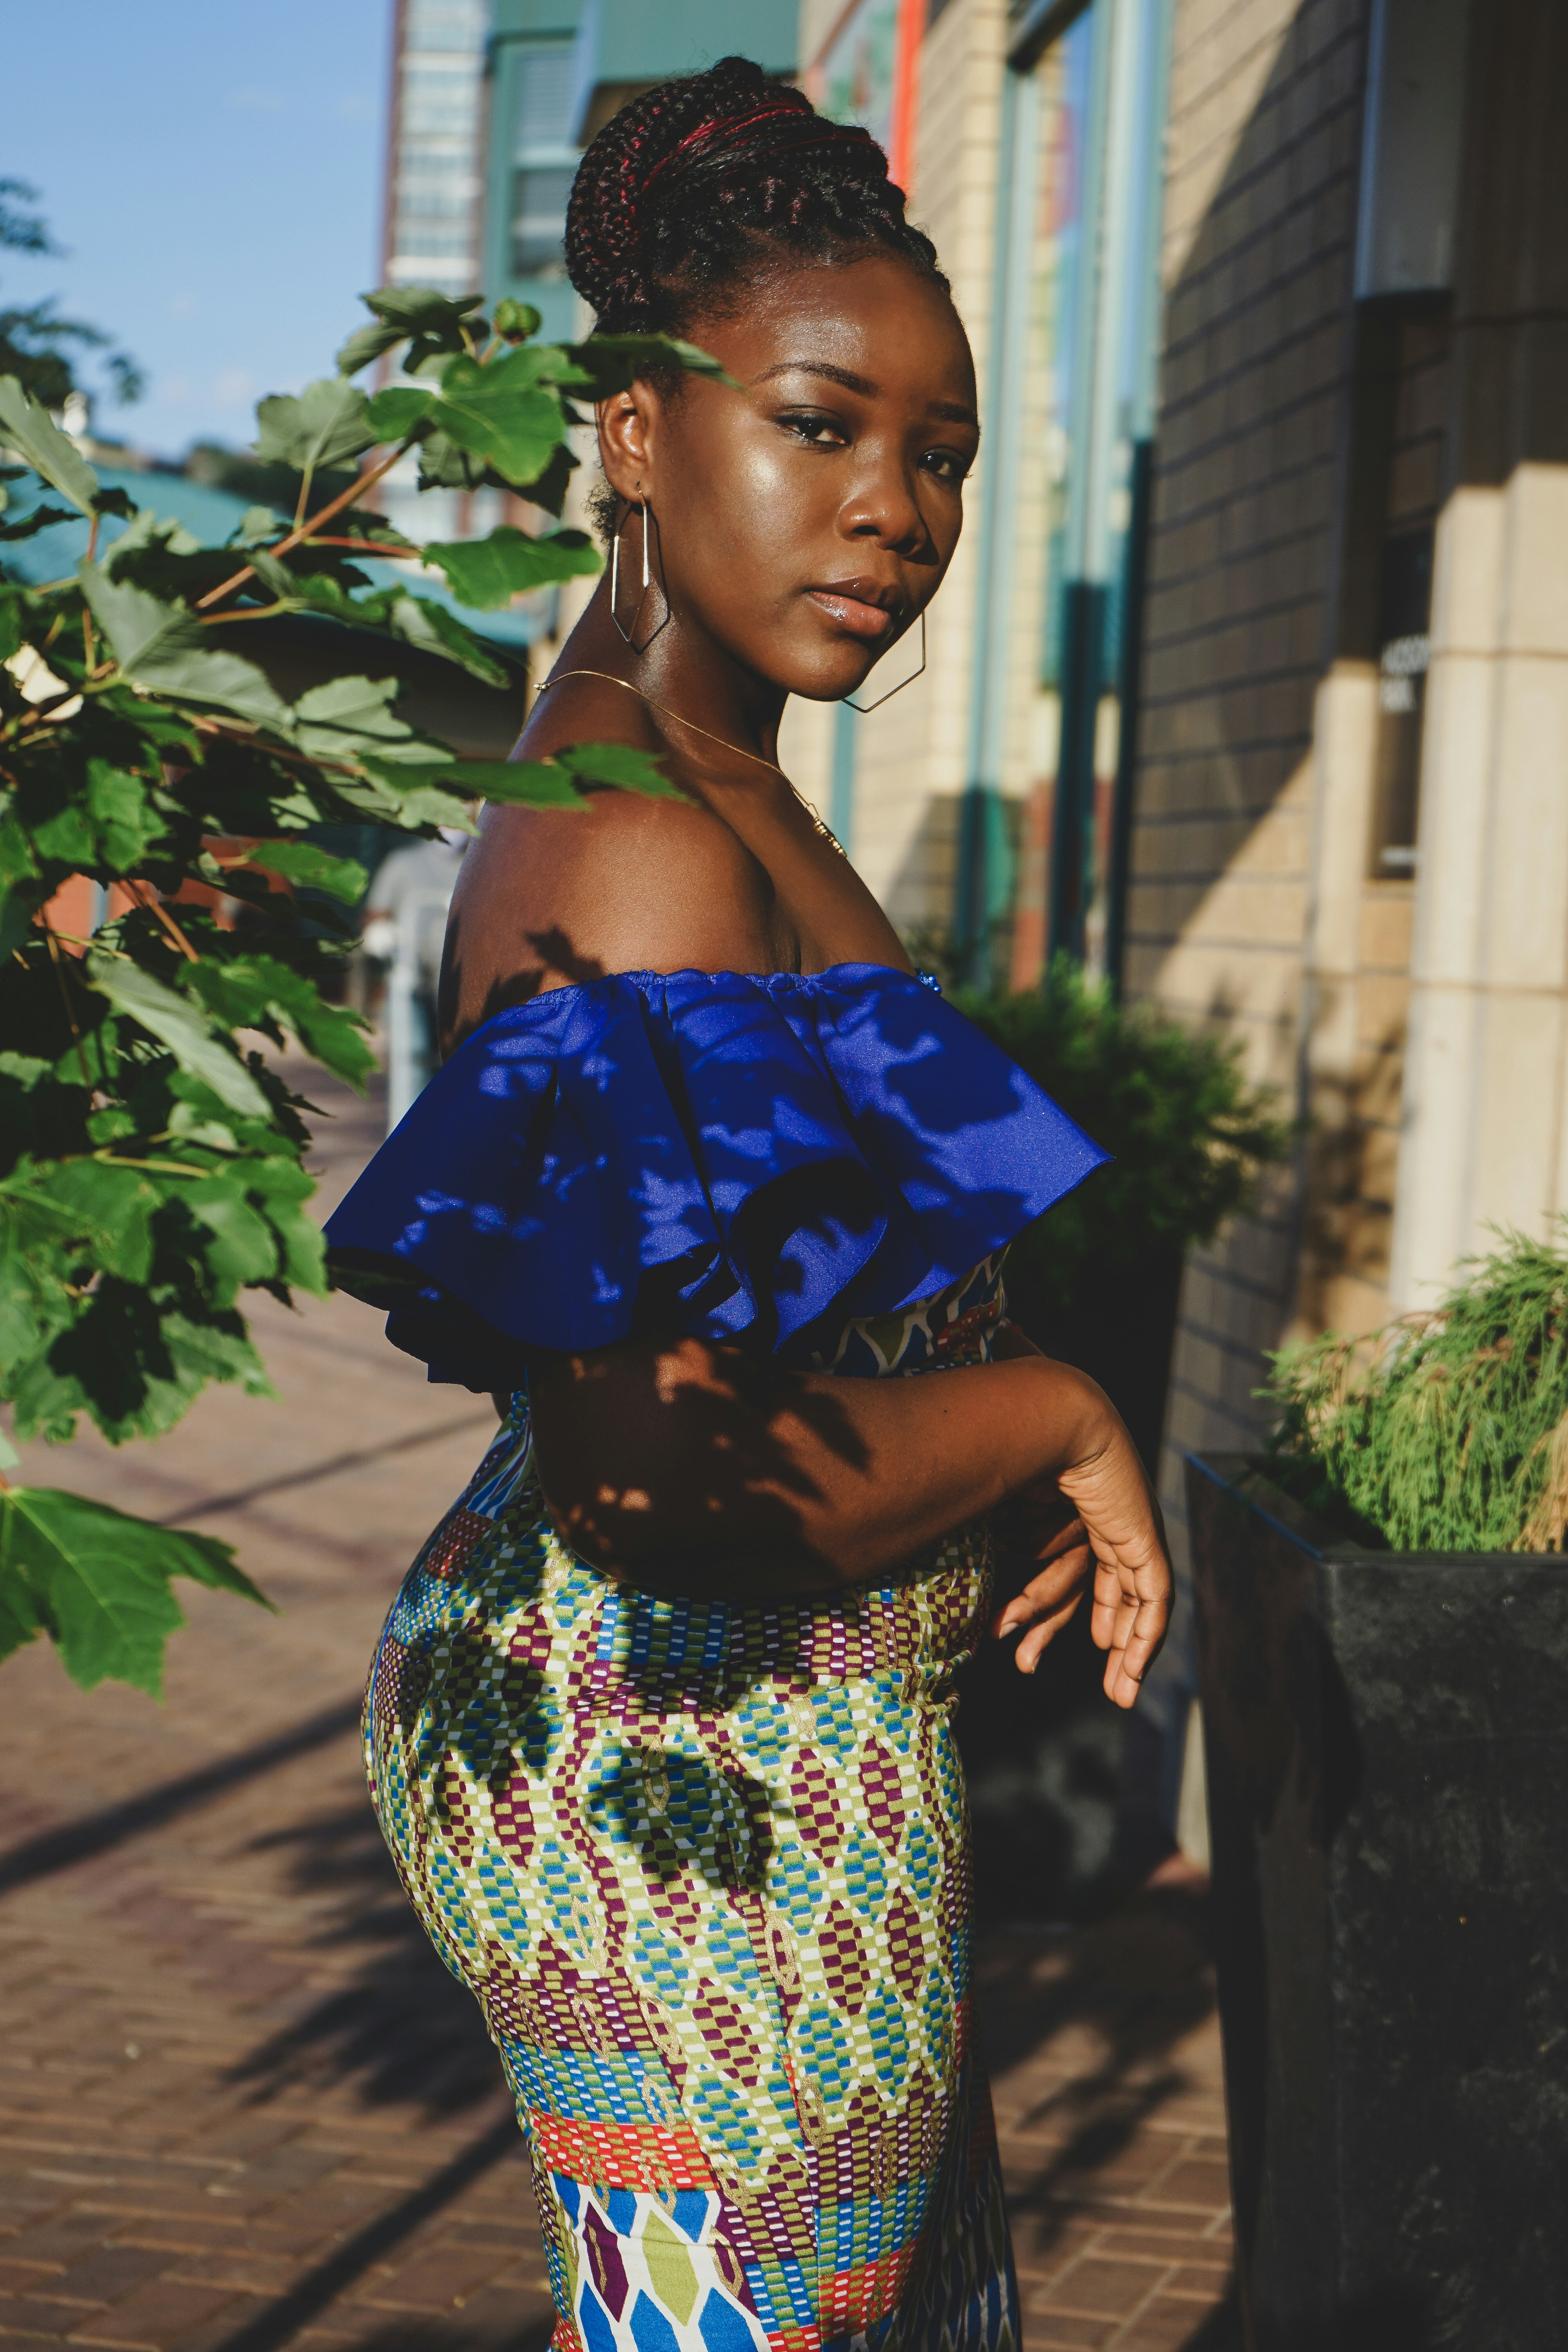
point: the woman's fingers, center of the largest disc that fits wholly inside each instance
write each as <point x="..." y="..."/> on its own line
<point x="1059" y="1575"/>
<point x="1035" y="1642"/>
<point x="1132" y="1610"/>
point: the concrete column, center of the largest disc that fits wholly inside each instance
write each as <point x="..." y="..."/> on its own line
<point x="1485" y="1138"/>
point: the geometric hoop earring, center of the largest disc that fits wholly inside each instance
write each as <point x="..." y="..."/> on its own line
<point x="630" y="635"/>
<point x="864" y="706"/>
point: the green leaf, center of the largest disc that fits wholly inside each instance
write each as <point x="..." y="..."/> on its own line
<point x="502" y="414"/>
<point x="248" y="989"/>
<point x="514" y="783"/>
<point x="408" y="795"/>
<point x="488" y="572"/>
<point x="302" y="863"/>
<point x="397" y="411"/>
<point x="255" y="524"/>
<point x="27" y="427"/>
<point x="151" y="536"/>
<point x="553" y="783"/>
<point x="122" y="809"/>
<point x="325" y="426"/>
<point x="103" y="1206"/>
<point x="99" y="1581"/>
<point x="611" y="362"/>
<point x="242" y="1249"/>
<point x="420" y="309"/>
<point x="339" y="718"/>
<point x="620" y="764"/>
<point x="549" y="490"/>
<point x="19" y="1619"/>
<point x="177" y="1025"/>
<point x="420" y="622"/>
<point x="40" y="519"/>
<point x="444" y="466"/>
<point x="163" y="648"/>
<point x="366" y="343"/>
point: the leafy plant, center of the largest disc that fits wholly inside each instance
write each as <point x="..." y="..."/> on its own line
<point x="1446" y="1431"/>
<point x="1189" y="1136"/>
<point x="36" y="342"/>
<point x="150" y="1153"/>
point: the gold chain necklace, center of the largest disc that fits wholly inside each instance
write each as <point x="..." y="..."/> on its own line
<point x="740" y="750"/>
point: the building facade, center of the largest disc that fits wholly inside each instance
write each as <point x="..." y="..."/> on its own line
<point x="1249" y="685"/>
<point x="1246" y="685"/>
<point x="431" y="230"/>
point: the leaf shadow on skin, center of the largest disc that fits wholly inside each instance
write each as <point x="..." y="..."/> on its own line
<point x="623" y="1456"/>
<point x="555" y="953"/>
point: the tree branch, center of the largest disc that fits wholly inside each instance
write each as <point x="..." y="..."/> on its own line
<point x="355" y="490"/>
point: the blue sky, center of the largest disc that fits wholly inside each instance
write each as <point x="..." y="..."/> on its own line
<point x="213" y="168"/>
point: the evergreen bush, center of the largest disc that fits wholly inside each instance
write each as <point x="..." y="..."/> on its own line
<point x="1446" y="1431"/>
<point x="1190" y="1138"/>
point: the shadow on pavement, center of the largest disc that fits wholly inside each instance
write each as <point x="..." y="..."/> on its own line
<point x="399" y="2027"/>
<point x="1142" y="1982"/>
<point x="455" y="2335"/>
<point x="283" y="2319"/>
<point x="80" y="1841"/>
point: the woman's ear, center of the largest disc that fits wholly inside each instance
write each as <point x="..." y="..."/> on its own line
<point x="626" y="428"/>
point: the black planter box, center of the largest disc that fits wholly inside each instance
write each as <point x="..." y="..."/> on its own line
<point x="1387" y="1753"/>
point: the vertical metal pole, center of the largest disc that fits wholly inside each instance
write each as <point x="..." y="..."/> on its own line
<point x="1142" y="339"/>
<point x="982" y="878"/>
<point x="841" y="789"/>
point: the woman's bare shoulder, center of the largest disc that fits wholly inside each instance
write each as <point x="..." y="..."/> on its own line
<point x="625" y="882"/>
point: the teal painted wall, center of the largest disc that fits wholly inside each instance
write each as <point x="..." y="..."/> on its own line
<point x="547" y="60"/>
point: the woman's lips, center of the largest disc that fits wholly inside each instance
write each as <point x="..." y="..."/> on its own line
<point x="861" y="620"/>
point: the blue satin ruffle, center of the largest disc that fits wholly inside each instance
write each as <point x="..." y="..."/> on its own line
<point x="724" y="1153"/>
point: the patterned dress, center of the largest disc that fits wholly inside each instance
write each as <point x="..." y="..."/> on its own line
<point x="706" y="1866"/>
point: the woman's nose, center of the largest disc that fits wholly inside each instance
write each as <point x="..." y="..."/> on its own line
<point x="884" y="508"/>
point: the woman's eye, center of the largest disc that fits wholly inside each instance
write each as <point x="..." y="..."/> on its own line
<point x="946" y="465"/>
<point x="820" y="432"/>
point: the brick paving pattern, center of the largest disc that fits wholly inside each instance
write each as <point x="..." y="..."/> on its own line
<point x="243" y="2107"/>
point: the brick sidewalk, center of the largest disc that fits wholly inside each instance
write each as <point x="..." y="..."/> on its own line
<point x="242" y="2105"/>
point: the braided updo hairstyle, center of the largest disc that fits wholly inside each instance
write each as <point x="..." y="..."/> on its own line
<point x="689" y="192"/>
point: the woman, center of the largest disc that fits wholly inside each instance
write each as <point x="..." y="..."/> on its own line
<point x="659" y="1728"/>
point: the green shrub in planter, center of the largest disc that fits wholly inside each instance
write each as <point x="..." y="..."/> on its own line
<point x="1190" y="1136"/>
<point x="1096" y="1283"/>
<point x="1383" y="1640"/>
<point x="1446" y="1431"/>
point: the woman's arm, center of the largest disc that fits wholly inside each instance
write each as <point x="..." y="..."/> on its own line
<point x="669" y="1465"/>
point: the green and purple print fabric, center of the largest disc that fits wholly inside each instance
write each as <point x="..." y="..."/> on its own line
<point x="706" y="1866"/>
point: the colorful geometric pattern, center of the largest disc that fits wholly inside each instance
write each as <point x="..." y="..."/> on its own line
<point x="706" y="1867"/>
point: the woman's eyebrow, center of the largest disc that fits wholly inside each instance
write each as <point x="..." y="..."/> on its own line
<point x="952" y="411"/>
<point x="846" y="376"/>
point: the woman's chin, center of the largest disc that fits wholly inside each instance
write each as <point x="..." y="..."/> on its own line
<point x="824" y="675"/>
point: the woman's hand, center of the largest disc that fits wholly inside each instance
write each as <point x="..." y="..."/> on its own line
<point x="1132" y="1585"/>
<point x="1047" y="1531"/>
<point x="1101" y="1511"/>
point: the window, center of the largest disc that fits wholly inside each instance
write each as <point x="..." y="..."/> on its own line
<point x="544" y="164"/>
<point x="539" y="219"/>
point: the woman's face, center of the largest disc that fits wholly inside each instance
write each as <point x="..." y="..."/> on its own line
<point x="805" y="523"/>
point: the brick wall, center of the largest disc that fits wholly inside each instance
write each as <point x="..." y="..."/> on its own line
<point x="1263" y="150"/>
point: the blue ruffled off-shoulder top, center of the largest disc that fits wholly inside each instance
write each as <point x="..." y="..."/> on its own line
<point x="744" y="1156"/>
